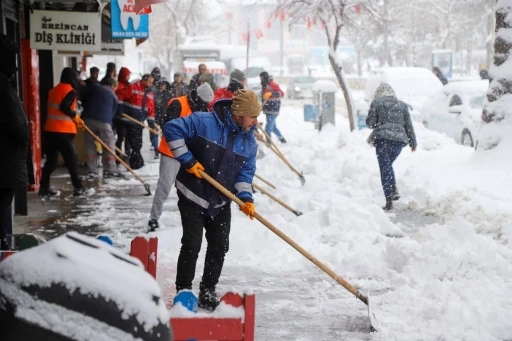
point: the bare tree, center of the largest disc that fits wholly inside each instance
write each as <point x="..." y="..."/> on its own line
<point x="497" y="113"/>
<point x="333" y="15"/>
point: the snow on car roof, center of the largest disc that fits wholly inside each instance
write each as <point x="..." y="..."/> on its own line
<point x="467" y="86"/>
<point x="93" y="267"/>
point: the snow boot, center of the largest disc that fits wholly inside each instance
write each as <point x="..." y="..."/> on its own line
<point x="93" y="175"/>
<point x="153" y="225"/>
<point x="389" y="204"/>
<point x="78" y="191"/>
<point x="395" y="195"/>
<point x="157" y="155"/>
<point x="46" y="192"/>
<point x="282" y="140"/>
<point x="109" y="175"/>
<point x="208" y="298"/>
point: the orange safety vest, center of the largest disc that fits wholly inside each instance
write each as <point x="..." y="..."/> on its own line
<point x="56" y="120"/>
<point x="163" y="147"/>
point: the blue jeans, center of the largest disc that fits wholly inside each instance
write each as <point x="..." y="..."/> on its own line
<point x="271" y="126"/>
<point x="153" y="137"/>
<point x="387" y="152"/>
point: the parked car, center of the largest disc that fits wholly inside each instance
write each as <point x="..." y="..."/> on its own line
<point x="300" y="87"/>
<point x="412" y="85"/>
<point x="456" y="110"/>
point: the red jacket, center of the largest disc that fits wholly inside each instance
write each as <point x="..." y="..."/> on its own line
<point x="134" y="104"/>
<point x="222" y="93"/>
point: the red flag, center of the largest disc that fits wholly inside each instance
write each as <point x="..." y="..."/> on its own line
<point x="358" y="8"/>
<point x="276" y="14"/>
<point x="283" y="15"/>
<point x="314" y="21"/>
<point x="259" y="33"/>
<point x="309" y="23"/>
<point x="143" y="6"/>
<point x="229" y="15"/>
<point x="269" y="24"/>
<point x="244" y="36"/>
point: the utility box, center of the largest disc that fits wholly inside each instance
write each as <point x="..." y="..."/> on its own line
<point x="324" y="92"/>
<point x="310" y="113"/>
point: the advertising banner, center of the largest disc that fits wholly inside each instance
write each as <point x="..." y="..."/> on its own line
<point x="126" y="23"/>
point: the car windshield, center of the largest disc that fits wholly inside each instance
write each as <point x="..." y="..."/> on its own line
<point x="477" y="102"/>
<point x="254" y="71"/>
<point x="303" y="80"/>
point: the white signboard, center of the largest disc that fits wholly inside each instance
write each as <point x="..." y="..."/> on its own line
<point x="69" y="31"/>
<point x="109" y="45"/>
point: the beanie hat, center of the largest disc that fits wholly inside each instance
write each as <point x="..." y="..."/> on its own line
<point x="237" y="75"/>
<point x="205" y="92"/>
<point x="245" y="103"/>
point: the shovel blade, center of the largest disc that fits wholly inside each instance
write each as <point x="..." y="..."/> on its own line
<point x="148" y="190"/>
<point x="302" y="180"/>
<point x="374" y="323"/>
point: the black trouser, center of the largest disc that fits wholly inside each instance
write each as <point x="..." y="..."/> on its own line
<point x="6" y="196"/>
<point x="60" y="143"/>
<point x="120" y="129"/>
<point x="194" y="219"/>
<point x="134" y="137"/>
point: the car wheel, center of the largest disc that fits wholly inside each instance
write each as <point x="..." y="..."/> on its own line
<point x="467" y="138"/>
<point x="425" y="123"/>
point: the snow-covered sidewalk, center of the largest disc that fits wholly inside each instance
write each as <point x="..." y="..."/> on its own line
<point x="442" y="273"/>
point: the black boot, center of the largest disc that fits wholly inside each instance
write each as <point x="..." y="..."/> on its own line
<point x="47" y="192"/>
<point x="389" y="204"/>
<point x="153" y="225"/>
<point x="395" y="195"/>
<point x="208" y="298"/>
<point x="78" y="191"/>
<point x="3" y="244"/>
<point x="282" y="140"/>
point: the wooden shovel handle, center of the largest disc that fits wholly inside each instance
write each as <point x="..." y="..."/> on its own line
<point x="104" y="145"/>
<point x="287" y="239"/>
<point x="265" y="181"/>
<point x="276" y="150"/>
<point x="271" y="196"/>
<point x="141" y="124"/>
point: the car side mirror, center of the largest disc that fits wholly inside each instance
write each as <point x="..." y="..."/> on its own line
<point x="456" y="109"/>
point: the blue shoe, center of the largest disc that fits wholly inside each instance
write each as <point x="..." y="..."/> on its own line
<point x="187" y="299"/>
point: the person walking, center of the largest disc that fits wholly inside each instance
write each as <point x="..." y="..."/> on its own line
<point x="392" y="130"/>
<point x="194" y="82"/>
<point x="14" y="135"/>
<point x="100" y="105"/>
<point x="169" y="167"/>
<point x="222" y="144"/>
<point x="138" y="103"/>
<point x="237" y="80"/>
<point x="439" y="74"/>
<point x="162" y="96"/>
<point x="60" y="130"/>
<point x="271" y="95"/>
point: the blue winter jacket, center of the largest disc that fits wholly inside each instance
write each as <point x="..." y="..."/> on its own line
<point x="100" y="103"/>
<point x="227" y="153"/>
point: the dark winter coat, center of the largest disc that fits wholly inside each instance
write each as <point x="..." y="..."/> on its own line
<point x="161" y="97"/>
<point x="439" y="74"/>
<point x="272" y="105"/>
<point x="227" y="153"/>
<point x="390" y="120"/>
<point x="14" y="137"/>
<point x="100" y="104"/>
<point x="179" y="89"/>
<point x="194" y="82"/>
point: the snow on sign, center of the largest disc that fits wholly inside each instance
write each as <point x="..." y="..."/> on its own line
<point x="71" y="31"/>
<point x="126" y="23"/>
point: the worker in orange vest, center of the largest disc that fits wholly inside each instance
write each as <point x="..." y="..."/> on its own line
<point x="195" y="101"/>
<point x="60" y="130"/>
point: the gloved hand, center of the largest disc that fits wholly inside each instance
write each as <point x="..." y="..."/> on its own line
<point x="78" y="121"/>
<point x="248" y="209"/>
<point x="259" y="137"/>
<point x="267" y="95"/>
<point x="194" y="169"/>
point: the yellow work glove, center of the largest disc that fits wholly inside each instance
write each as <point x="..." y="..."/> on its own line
<point x="194" y="170"/>
<point x="248" y="209"/>
<point x="267" y="95"/>
<point x="78" y="121"/>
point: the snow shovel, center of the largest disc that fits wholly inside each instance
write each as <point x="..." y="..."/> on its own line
<point x="265" y="181"/>
<point x="153" y="131"/>
<point x="146" y="186"/>
<point x="267" y="193"/>
<point x="323" y="267"/>
<point x="120" y="151"/>
<point x="281" y="156"/>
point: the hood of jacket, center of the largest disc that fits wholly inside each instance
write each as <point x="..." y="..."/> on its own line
<point x="69" y="76"/>
<point x="124" y="75"/>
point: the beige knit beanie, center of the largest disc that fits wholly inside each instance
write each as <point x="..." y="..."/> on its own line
<point x="245" y="103"/>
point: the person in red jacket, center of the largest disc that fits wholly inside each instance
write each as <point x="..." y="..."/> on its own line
<point x="271" y="94"/>
<point x="237" y="81"/>
<point x="119" y="127"/>
<point x="138" y="103"/>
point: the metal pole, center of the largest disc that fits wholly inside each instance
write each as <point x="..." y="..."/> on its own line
<point x="248" y="44"/>
<point x="281" y="49"/>
<point x="386" y="33"/>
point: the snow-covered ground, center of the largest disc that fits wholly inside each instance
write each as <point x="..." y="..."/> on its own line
<point x="439" y="267"/>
